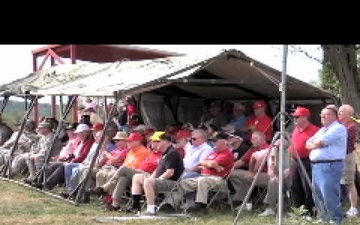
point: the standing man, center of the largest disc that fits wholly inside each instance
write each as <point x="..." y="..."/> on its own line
<point x="348" y="178"/>
<point x="300" y="189"/>
<point x="327" y="153"/>
<point x="260" y="121"/>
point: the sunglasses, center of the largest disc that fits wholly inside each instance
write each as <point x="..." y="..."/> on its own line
<point x="193" y="139"/>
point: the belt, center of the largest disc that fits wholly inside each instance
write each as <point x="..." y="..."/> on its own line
<point x="326" y="161"/>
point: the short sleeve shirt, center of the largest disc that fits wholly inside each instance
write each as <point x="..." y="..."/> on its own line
<point x="171" y="159"/>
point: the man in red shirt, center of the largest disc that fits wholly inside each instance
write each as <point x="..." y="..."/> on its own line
<point x="214" y="168"/>
<point x="120" y="181"/>
<point x="242" y="176"/>
<point x="260" y="121"/>
<point x="300" y="189"/>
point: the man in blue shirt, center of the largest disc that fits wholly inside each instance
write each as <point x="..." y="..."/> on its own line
<point x="327" y="151"/>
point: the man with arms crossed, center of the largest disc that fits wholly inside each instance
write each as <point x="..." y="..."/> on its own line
<point x="327" y="153"/>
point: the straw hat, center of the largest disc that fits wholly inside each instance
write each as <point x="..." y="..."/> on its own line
<point x="121" y="135"/>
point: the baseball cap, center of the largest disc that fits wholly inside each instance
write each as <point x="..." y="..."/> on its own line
<point x="165" y="137"/>
<point x="135" y="137"/>
<point x="97" y="127"/>
<point x="72" y="126"/>
<point x="215" y="104"/>
<point x="221" y="135"/>
<point x="228" y="128"/>
<point x="81" y="128"/>
<point x="45" y="124"/>
<point x="183" y="134"/>
<point x="301" y="111"/>
<point x="148" y="131"/>
<point x="156" y="135"/>
<point x="259" y="104"/>
<point x="140" y="128"/>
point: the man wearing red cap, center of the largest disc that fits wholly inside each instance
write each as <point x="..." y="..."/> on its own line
<point x="182" y="137"/>
<point x="260" y="121"/>
<point x="304" y="129"/>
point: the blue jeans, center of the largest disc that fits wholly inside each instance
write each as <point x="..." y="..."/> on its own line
<point x="326" y="181"/>
<point x="71" y="170"/>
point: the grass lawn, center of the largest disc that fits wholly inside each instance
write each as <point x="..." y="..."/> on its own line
<point x="23" y="205"/>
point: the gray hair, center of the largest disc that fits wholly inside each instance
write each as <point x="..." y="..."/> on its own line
<point x="201" y="132"/>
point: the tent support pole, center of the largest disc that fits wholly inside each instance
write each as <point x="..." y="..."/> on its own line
<point x="3" y="104"/>
<point x="6" y="170"/>
<point x="40" y="175"/>
<point x="80" y="188"/>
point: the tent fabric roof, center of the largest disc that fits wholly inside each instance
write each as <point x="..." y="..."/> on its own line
<point x="54" y="76"/>
<point x="228" y="74"/>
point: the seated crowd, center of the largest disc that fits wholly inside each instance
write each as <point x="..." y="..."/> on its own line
<point x="136" y="163"/>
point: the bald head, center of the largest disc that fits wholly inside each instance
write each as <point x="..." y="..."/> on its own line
<point x="345" y="113"/>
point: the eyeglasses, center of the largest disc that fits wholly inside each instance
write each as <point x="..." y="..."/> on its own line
<point x="327" y="114"/>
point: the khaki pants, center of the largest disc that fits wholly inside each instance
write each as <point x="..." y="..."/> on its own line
<point x="104" y="175"/>
<point x="241" y="180"/>
<point x="124" y="182"/>
<point x="123" y="175"/>
<point x="202" y="185"/>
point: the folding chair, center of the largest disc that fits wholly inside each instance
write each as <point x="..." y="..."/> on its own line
<point x="169" y="194"/>
<point x="258" y="195"/>
<point x="163" y="196"/>
<point x="214" y="194"/>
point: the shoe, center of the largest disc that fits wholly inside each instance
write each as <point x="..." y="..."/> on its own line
<point x="148" y="213"/>
<point x="167" y="207"/>
<point x="201" y="207"/>
<point x="28" y="181"/>
<point x="352" y="212"/>
<point x="97" y="191"/>
<point x="267" y="212"/>
<point x="64" y="194"/>
<point x="131" y="210"/>
<point x="86" y="197"/>
<point x="37" y="185"/>
<point x="109" y="207"/>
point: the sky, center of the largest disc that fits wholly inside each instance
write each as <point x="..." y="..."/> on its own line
<point x="298" y="64"/>
<point x="16" y="60"/>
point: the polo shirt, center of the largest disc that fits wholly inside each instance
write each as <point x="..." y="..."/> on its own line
<point x="151" y="162"/>
<point x="299" y="138"/>
<point x="223" y="158"/>
<point x="334" y="138"/>
<point x="352" y="135"/>
<point x="136" y="156"/>
<point x="262" y="124"/>
<point x="247" y="156"/>
<point x="171" y="159"/>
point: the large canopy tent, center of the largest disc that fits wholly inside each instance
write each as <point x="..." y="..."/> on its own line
<point x="225" y="75"/>
<point x="54" y="76"/>
<point x="174" y="87"/>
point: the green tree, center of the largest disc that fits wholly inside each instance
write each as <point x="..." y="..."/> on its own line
<point x="340" y="73"/>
